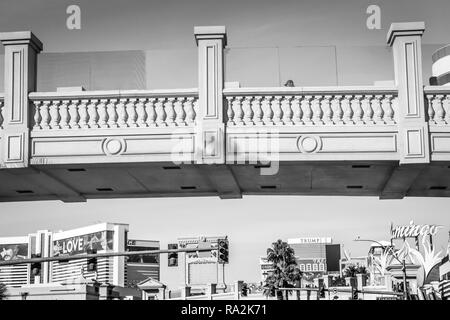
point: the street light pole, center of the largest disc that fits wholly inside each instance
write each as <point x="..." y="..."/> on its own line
<point x="394" y="254"/>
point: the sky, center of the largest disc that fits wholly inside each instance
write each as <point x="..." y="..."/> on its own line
<point x="252" y="223"/>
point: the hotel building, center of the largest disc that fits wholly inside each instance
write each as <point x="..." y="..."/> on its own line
<point x="100" y="238"/>
<point x="316" y="255"/>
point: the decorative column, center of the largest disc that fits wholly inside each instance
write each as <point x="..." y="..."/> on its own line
<point x="210" y="129"/>
<point x="21" y="50"/>
<point x="406" y="42"/>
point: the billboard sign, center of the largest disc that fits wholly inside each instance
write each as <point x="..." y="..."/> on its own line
<point x="13" y="251"/>
<point x="98" y="241"/>
<point x="314" y="240"/>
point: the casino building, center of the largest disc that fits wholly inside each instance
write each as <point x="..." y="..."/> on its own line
<point x="316" y="256"/>
<point x="441" y="66"/>
<point x="100" y="238"/>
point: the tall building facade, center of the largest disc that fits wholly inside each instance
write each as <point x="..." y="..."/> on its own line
<point x="139" y="268"/>
<point x="316" y="255"/>
<point x="99" y="238"/>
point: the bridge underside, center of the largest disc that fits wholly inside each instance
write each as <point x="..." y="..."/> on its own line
<point x="76" y="183"/>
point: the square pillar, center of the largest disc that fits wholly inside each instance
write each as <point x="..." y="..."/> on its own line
<point x="185" y="292"/>
<point x="406" y="42"/>
<point x="210" y="136"/>
<point x="361" y="281"/>
<point x="237" y="289"/>
<point x="21" y="50"/>
<point x="210" y="290"/>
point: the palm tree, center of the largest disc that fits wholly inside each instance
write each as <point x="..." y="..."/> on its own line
<point x="284" y="273"/>
<point x="2" y="291"/>
<point x="351" y="271"/>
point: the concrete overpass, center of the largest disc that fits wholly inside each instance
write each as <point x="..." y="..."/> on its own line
<point x="74" y="145"/>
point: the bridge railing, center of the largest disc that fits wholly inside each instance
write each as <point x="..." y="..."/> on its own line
<point x="114" y="109"/>
<point x="438" y="105"/>
<point x="322" y="106"/>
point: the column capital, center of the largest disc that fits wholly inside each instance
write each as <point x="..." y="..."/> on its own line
<point x="21" y="38"/>
<point x="405" y="29"/>
<point x="210" y="32"/>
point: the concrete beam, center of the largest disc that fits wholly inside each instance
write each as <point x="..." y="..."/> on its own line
<point x="222" y="179"/>
<point x="400" y="181"/>
<point x="53" y="185"/>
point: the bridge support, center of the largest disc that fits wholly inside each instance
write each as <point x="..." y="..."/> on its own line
<point x="21" y="50"/>
<point x="413" y="138"/>
<point x="210" y="136"/>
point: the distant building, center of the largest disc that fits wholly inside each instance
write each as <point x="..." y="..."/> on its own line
<point x="201" y="268"/>
<point x="101" y="238"/>
<point x="140" y="268"/>
<point x="316" y="256"/>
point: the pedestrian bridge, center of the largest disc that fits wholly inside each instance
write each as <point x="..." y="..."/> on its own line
<point x="225" y="141"/>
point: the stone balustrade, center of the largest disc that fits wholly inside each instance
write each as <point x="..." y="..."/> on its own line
<point x="331" y="106"/>
<point x="114" y="109"/>
<point x="438" y="105"/>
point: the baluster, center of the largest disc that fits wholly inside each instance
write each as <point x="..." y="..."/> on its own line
<point x="102" y="114"/>
<point x="277" y="112"/>
<point x="65" y="116"/>
<point x="45" y="115"/>
<point x="230" y="111"/>
<point x="238" y="112"/>
<point x="161" y="113"/>
<point x="130" y="109"/>
<point x="151" y="113"/>
<point x="378" y="110"/>
<point x="190" y="112"/>
<point x="388" y="110"/>
<point x="307" y="110"/>
<point x="257" y="111"/>
<point x="287" y="110"/>
<point x="248" y="112"/>
<point x="122" y="113"/>
<point x="447" y="109"/>
<point x="317" y="110"/>
<point x="180" y="113"/>
<point x="338" y="113"/>
<point x="141" y="114"/>
<point x="431" y="112"/>
<point x="348" y="110"/>
<point x="366" y="107"/>
<point x="196" y="111"/>
<point x="267" y="111"/>
<point x="357" y="110"/>
<point x="297" y="111"/>
<point x="170" y="112"/>
<point x="438" y="109"/>
<point x="37" y="115"/>
<point x="395" y="108"/>
<point x="93" y="113"/>
<point x="74" y="114"/>
<point x="54" y="115"/>
<point x="327" y="111"/>
<point x="84" y="116"/>
<point x="131" y="113"/>
<point x="113" y="116"/>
